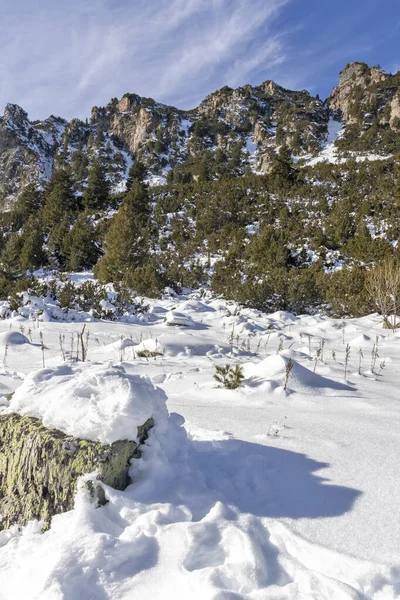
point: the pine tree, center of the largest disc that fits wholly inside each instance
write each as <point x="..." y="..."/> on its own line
<point x="100" y="138"/>
<point x="127" y="240"/>
<point x="137" y="172"/>
<point x="27" y="203"/>
<point x="57" y="243"/>
<point x="60" y="198"/>
<point x="10" y="258"/>
<point x="81" y="246"/>
<point x="97" y="193"/>
<point x="33" y="255"/>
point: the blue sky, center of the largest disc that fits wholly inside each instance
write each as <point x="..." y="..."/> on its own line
<point x="65" y="57"/>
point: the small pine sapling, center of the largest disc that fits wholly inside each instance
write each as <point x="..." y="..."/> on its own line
<point x="276" y="428"/>
<point x="228" y="376"/>
<point x="87" y="336"/>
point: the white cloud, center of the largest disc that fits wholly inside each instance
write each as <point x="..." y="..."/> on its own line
<point x="66" y="58"/>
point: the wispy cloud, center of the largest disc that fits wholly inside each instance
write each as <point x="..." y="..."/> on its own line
<point x="67" y="58"/>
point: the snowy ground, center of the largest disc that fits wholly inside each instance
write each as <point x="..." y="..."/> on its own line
<point x="260" y="494"/>
<point x="331" y="154"/>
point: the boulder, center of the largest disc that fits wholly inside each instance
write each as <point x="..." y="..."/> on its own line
<point x="39" y="468"/>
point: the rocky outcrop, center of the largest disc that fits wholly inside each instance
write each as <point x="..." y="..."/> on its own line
<point x="260" y="118"/>
<point x="26" y="149"/>
<point x="395" y="112"/>
<point x="356" y="77"/>
<point x="39" y="468"/>
<point x="366" y="92"/>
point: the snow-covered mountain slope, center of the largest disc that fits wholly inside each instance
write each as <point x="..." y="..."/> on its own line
<point x="331" y="153"/>
<point x="262" y="493"/>
<point x="248" y="124"/>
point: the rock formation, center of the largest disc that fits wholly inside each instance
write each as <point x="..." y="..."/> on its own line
<point x="39" y="468"/>
<point x="260" y="118"/>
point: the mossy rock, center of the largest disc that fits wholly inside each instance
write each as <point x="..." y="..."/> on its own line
<point x="39" y="468"/>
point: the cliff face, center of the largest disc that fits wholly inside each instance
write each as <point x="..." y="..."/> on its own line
<point x="26" y="149"/>
<point x="356" y="79"/>
<point x="367" y="92"/>
<point x="255" y="119"/>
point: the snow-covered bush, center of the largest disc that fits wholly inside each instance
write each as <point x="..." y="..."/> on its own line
<point x="60" y="297"/>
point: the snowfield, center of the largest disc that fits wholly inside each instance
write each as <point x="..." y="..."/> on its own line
<point x="331" y="154"/>
<point x="254" y="493"/>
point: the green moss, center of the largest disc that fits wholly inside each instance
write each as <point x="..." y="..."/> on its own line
<point x="39" y="468"/>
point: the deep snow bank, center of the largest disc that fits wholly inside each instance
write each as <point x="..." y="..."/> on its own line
<point x="93" y="402"/>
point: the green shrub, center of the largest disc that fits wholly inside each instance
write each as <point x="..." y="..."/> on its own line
<point x="228" y="376"/>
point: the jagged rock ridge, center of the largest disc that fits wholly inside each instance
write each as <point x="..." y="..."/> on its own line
<point x="253" y="119"/>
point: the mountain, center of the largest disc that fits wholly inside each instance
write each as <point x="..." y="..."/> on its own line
<point x="246" y="124"/>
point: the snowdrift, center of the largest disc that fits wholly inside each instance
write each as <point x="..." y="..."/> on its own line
<point x="92" y="402"/>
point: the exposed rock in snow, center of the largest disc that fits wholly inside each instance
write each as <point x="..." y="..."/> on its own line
<point x="39" y="468"/>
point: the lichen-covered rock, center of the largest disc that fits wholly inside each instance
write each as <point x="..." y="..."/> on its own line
<point x="39" y="468"/>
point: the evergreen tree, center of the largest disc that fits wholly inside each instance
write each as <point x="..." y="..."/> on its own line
<point x="10" y="258"/>
<point x="28" y="202"/>
<point x="57" y="243"/>
<point x="137" y="172"/>
<point x="60" y="198"/>
<point x="81" y="247"/>
<point x="127" y="240"/>
<point x="97" y="193"/>
<point x="33" y="255"/>
<point x="282" y="168"/>
<point x="100" y="137"/>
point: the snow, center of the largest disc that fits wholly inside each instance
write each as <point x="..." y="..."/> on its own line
<point x="335" y="131"/>
<point x="92" y="402"/>
<point x="330" y="152"/>
<point x="255" y="493"/>
<point x="251" y="146"/>
<point x="185" y="125"/>
<point x="12" y="338"/>
<point x="155" y="180"/>
<point x="177" y="318"/>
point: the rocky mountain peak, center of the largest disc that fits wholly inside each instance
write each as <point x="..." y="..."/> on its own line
<point x="354" y="79"/>
<point x="248" y="123"/>
<point x="270" y="87"/>
<point x="15" y="114"/>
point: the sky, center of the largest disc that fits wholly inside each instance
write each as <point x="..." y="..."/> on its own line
<point x="62" y="58"/>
